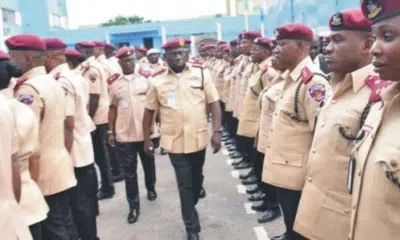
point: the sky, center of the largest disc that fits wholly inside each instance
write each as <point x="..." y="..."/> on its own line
<point x="89" y="12"/>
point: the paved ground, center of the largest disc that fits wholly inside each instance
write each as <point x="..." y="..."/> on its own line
<point x="225" y="213"/>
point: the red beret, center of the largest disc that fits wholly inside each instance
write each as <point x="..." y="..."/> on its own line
<point x="352" y="19"/>
<point x="26" y="42"/>
<point x="4" y="56"/>
<point x="227" y="48"/>
<point x="241" y="35"/>
<point x="263" y="41"/>
<point x="202" y="44"/>
<point x="221" y="43"/>
<point x="252" y="34"/>
<point x="70" y="53"/>
<point x="188" y="41"/>
<point x="141" y="49"/>
<point x="85" y="44"/>
<point x="109" y="46"/>
<point x="174" y="43"/>
<point x="222" y="46"/>
<point x="54" y="44"/>
<point x="98" y="44"/>
<point x="124" y="52"/>
<point x="377" y="10"/>
<point x="294" y="31"/>
<point x="234" y="42"/>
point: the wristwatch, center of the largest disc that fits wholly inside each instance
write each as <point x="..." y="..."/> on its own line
<point x="110" y="132"/>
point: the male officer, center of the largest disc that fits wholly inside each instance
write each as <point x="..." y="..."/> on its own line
<point x="374" y="174"/>
<point x="294" y="120"/>
<point x="84" y="202"/>
<point x="140" y="52"/>
<point x="94" y="73"/>
<point x="181" y="94"/>
<point x="128" y="95"/>
<point x="46" y="98"/>
<point x="109" y="51"/>
<point x="325" y="188"/>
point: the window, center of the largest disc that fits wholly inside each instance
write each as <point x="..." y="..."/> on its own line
<point x="8" y="16"/>
<point x="6" y="31"/>
<point x="56" y="20"/>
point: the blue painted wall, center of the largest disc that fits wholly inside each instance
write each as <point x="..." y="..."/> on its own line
<point x="14" y="6"/>
<point x="35" y="17"/>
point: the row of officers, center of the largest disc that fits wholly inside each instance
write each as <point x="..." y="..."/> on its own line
<point x="321" y="147"/>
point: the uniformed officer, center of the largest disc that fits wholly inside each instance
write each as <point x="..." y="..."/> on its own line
<point x="374" y="171"/>
<point x="73" y="59"/>
<point x="294" y="120"/>
<point x="140" y="52"/>
<point x="45" y="97"/>
<point x="261" y="77"/>
<point x="339" y="120"/>
<point x="267" y="102"/>
<point x="245" y="143"/>
<point x="99" y="101"/>
<point x="84" y="202"/>
<point x="181" y="93"/>
<point x="109" y="51"/>
<point x="153" y="56"/>
<point x="15" y="178"/>
<point x="128" y="95"/>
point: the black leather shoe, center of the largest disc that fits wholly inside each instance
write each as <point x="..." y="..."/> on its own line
<point x="230" y="141"/>
<point x="118" y="178"/>
<point x="260" y="207"/>
<point x="258" y="196"/>
<point x="231" y="148"/>
<point x="235" y="155"/>
<point x="252" y="190"/>
<point x="250" y="180"/>
<point x="281" y="237"/>
<point x="193" y="236"/>
<point x="202" y="193"/>
<point x="105" y="194"/>
<point x="237" y="162"/>
<point x="243" y="165"/>
<point x="270" y="215"/>
<point x="246" y="175"/>
<point x="133" y="216"/>
<point x="152" y="195"/>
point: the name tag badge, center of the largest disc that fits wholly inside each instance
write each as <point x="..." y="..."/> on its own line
<point x="350" y="176"/>
<point x="125" y="103"/>
<point x="171" y="99"/>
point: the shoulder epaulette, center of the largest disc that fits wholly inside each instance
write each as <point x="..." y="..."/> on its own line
<point x="376" y="85"/>
<point x="197" y="65"/>
<point x="144" y="73"/>
<point x="265" y="68"/>
<point x="306" y="75"/>
<point x="19" y="83"/>
<point x="85" y="68"/>
<point x="161" y="70"/>
<point x="112" y="79"/>
<point x="57" y="76"/>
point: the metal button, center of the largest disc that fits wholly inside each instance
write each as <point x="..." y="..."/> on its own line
<point x="359" y="173"/>
<point x="347" y="211"/>
<point x="272" y="130"/>
<point x="393" y="163"/>
<point x="269" y="146"/>
<point x="354" y="207"/>
<point x="309" y="179"/>
<point x="322" y="124"/>
<point x="333" y="101"/>
<point x="286" y="161"/>
<point x="314" y="150"/>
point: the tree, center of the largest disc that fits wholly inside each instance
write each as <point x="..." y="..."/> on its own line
<point x="122" y="20"/>
<point x="218" y="15"/>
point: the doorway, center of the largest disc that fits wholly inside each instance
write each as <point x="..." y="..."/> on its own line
<point x="148" y="43"/>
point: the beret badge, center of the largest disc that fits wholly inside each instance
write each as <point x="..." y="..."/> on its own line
<point x="374" y="9"/>
<point x="181" y="42"/>
<point x="337" y="19"/>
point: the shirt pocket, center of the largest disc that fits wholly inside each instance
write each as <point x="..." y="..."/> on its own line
<point x="349" y="122"/>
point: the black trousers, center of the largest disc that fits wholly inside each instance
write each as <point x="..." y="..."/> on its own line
<point x="59" y="224"/>
<point x="245" y="145"/>
<point x="36" y="231"/>
<point x="268" y="189"/>
<point x="229" y="119"/>
<point x="84" y="203"/>
<point x="102" y="157"/>
<point x="128" y="153"/>
<point x="289" y="201"/>
<point x="116" y="165"/>
<point x="188" y="171"/>
<point x="223" y="114"/>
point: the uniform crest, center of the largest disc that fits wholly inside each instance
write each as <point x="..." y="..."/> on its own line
<point x="19" y="83"/>
<point x="57" y="76"/>
<point x="145" y="73"/>
<point x="317" y="92"/>
<point x="374" y="8"/>
<point x="161" y="70"/>
<point x="181" y="42"/>
<point x="376" y="85"/>
<point x="112" y="79"/>
<point x="26" y="99"/>
<point x="306" y="75"/>
<point x="85" y="67"/>
<point x="337" y="19"/>
<point x="264" y="68"/>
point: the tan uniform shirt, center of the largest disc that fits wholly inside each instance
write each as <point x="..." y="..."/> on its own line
<point x="219" y="77"/>
<point x="226" y="86"/>
<point x="82" y="148"/>
<point x="94" y="73"/>
<point x="243" y="72"/>
<point x="286" y="156"/>
<point x="182" y="99"/>
<point x="262" y="76"/>
<point x="375" y="198"/>
<point x="128" y="94"/>
<point x="45" y="96"/>
<point x="232" y="82"/>
<point x="324" y="210"/>
<point x="114" y="63"/>
<point x="267" y="103"/>
<point x="12" y="224"/>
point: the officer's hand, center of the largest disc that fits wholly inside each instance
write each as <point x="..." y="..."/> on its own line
<point x="216" y="142"/>
<point x="148" y="147"/>
<point x="111" y="140"/>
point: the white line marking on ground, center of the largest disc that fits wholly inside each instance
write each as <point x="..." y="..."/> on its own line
<point x="241" y="189"/>
<point x="229" y="161"/>
<point x="247" y="206"/>
<point x="235" y="174"/>
<point x="261" y="233"/>
<point x="225" y="152"/>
